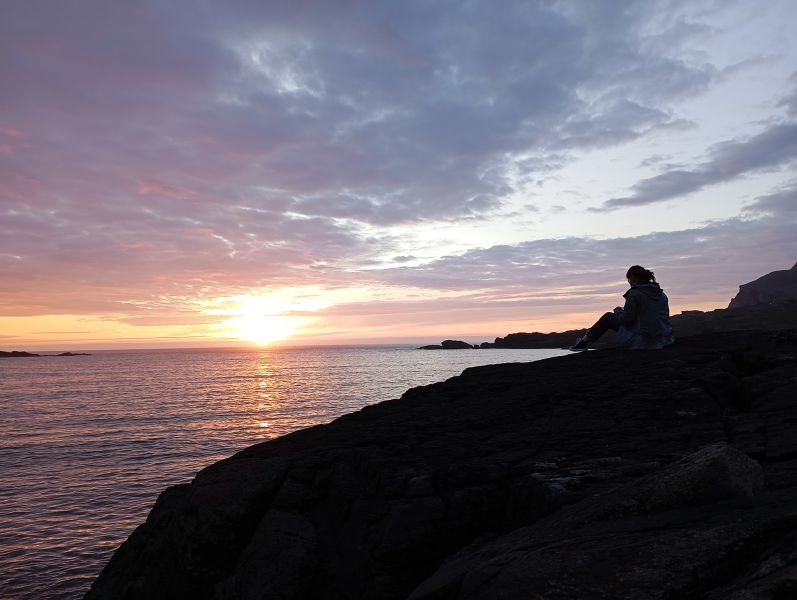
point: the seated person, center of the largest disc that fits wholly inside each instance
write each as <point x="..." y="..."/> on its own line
<point x="643" y="323"/>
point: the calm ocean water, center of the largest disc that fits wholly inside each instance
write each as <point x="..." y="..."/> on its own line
<point x="88" y="442"/>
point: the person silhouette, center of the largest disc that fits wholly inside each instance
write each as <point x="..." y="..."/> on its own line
<point x="643" y="323"/>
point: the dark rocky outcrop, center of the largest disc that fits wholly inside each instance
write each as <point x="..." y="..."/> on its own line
<point x="610" y="474"/>
<point x="630" y="542"/>
<point x="778" y="286"/>
<point x="449" y="345"/>
<point x="16" y="354"/>
<point x="772" y="317"/>
<point x="535" y="339"/>
<point x="73" y="354"/>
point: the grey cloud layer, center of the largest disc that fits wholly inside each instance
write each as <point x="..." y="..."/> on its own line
<point x="149" y="149"/>
<point x="414" y="108"/>
<point x="703" y="261"/>
<point x="776" y="146"/>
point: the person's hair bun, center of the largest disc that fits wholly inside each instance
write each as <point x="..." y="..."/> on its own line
<point x="641" y="274"/>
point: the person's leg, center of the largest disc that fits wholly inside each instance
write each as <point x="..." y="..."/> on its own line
<point x="594" y="333"/>
<point x="605" y="323"/>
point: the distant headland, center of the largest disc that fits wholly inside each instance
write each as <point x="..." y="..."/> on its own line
<point x="20" y="354"/>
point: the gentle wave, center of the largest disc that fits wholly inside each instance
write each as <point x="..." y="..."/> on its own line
<point x="88" y="443"/>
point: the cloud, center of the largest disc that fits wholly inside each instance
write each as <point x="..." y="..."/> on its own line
<point x="702" y="262"/>
<point x="620" y="121"/>
<point x="655" y="159"/>
<point x="771" y="149"/>
<point x="158" y="155"/>
<point x="781" y="203"/>
<point x="366" y="112"/>
<point x="789" y="102"/>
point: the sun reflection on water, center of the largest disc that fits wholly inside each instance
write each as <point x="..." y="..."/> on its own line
<point x="86" y="446"/>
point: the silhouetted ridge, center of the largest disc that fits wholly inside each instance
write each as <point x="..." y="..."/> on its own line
<point x="775" y="287"/>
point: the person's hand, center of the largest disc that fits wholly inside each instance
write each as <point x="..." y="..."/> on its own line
<point x="618" y="310"/>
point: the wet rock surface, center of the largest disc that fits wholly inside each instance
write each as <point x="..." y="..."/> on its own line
<point x="668" y="474"/>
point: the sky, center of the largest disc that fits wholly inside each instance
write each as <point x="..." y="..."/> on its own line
<point x="308" y="172"/>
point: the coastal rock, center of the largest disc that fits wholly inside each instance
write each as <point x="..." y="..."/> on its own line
<point x="521" y="559"/>
<point x="778" y="286"/>
<point x="772" y="317"/>
<point x="539" y="340"/>
<point x="599" y="474"/>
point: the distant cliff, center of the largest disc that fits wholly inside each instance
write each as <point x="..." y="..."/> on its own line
<point x="776" y="287"/>
<point x="611" y="474"/>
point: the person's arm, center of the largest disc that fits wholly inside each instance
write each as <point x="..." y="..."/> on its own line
<point x="629" y="313"/>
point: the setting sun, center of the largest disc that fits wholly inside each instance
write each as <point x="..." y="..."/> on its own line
<point x="263" y="329"/>
<point x="263" y="319"/>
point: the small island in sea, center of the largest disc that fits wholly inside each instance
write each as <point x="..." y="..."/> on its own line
<point x="16" y="354"/>
<point x="21" y="354"/>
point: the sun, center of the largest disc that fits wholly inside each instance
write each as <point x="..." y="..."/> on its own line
<point x="265" y="320"/>
<point x="263" y="329"/>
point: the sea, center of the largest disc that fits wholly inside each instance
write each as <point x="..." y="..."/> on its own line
<point x="88" y="442"/>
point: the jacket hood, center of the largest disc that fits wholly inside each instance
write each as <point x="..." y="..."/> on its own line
<point x="652" y="289"/>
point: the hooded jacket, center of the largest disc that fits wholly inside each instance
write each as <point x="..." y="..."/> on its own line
<point x="645" y="319"/>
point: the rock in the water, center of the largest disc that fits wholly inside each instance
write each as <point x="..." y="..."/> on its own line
<point x="449" y="345"/>
<point x="16" y="354"/>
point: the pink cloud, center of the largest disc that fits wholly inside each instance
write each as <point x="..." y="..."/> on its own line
<point x="199" y="231"/>
<point x="11" y="132"/>
<point x="153" y="187"/>
<point x="21" y="189"/>
<point x="137" y="246"/>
